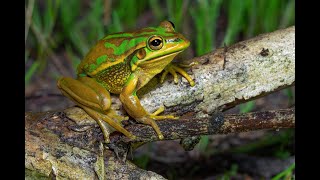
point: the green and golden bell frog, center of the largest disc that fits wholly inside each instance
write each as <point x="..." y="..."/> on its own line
<point x="122" y="63"/>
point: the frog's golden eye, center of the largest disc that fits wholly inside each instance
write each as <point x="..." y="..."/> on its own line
<point x="155" y="42"/>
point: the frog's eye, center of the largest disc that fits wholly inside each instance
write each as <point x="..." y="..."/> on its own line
<point x="155" y="42"/>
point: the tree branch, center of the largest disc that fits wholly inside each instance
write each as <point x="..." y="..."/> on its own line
<point x="253" y="68"/>
<point x="218" y="124"/>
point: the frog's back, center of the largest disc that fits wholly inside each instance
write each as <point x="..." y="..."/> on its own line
<point x="109" y="51"/>
<point x="107" y="61"/>
<point x="98" y="57"/>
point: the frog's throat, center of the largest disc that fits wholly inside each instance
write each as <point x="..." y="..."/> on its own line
<point x="148" y="69"/>
<point x="155" y="61"/>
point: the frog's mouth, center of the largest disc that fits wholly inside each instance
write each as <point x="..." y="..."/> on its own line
<point x="157" y="64"/>
<point x="167" y="57"/>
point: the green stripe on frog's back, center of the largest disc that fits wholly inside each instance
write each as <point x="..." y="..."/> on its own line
<point x="118" y="35"/>
<point x="99" y="61"/>
<point x="132" y="40"/>
<point x="120" y="49"/>
<point x="89" y="68"/>
<point x="115" y="48"/>
<point x="96" y="56"/>
<point x="126" y="45"/>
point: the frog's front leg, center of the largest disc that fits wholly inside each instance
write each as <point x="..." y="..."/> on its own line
<point x="173" y="68"/>
<point x="95" y="100"/>
<point x="132" y="105"/>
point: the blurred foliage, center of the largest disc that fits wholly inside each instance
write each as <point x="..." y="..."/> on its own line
<point x="203" y="145"/>
<point x="286" y="174"/>
<point x="74" y="26"/>
<point x="229" y="173"/>
<point x="281" y="140"/>
<point x="69" y="28"/>
<point x="246" y="107"/>
<point x="142" y="161"/>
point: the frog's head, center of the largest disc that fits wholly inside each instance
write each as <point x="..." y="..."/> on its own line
<point x="161" y="44"/>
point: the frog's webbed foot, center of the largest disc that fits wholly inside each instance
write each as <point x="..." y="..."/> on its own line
<point x="173" y="68"/>
<point x="101" y="118"/>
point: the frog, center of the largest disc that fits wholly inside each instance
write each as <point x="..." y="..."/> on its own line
<point x="122" y="63"/>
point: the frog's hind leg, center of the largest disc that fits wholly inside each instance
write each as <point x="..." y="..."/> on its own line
<point x="113" y="115"/>
<point x="115" y="124"/>
<point x="95" y="100"/>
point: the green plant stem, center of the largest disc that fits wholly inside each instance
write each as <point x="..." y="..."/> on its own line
<point x="29" y="11"/>
<point x="285" y="173"/>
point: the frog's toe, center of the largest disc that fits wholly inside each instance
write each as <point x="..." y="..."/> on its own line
<point x="184" y="74"/>
<point x="106" y="141"/>
<point x="189" y="65"/>
<point x="160" y="136"/>
<point x="160" y="110"/>
<point x="174" y="74"/>
<point x="163" y="76"/>
<point x="163" y="117"/>
<point x="133" y="137"/>
<point x="155" y="116"/>
<point x="174" y="69"/>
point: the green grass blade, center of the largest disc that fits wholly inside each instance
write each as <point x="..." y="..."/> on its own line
<point x="287" y="172"/>
<point x="271" y="15"/>
<point x="247" y="107"/>
<point x="252" y="14"/>
<point x="30" y="72"/>
<point x="214" y="9"/>
<point x="116" y="26"/>
<point x="36" y="18"/>
<point x="236" y="10"/>
<point x="142" y="161"/>
<point x="205" y="14"/>
<point x="94" y="21"/>
<point x="270" y="140"/>
<point x="78" y="40"/>
<point x="289" y="93"/>
<point x="26" y="55"/>
<point x="156" y="9"/>
<point x="75" y="61"/>
<point x="68" y="17"/>
<point x="288" y="15"/>
<point x="175" y="12"/>
<point x="203" y="144"/>
<point x="28" y="18"/>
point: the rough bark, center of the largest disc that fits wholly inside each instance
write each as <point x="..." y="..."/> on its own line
<point x="57" y="146"/>
<point x="217" y="124"/>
